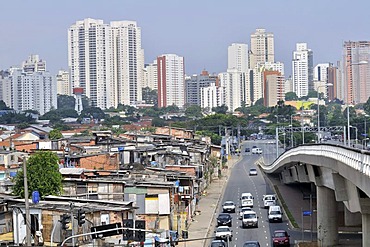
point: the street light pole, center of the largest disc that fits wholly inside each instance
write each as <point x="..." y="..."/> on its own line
<point x="27" y="205"/>
<point x="318" y="111"/>
<point x="348" y="124"/>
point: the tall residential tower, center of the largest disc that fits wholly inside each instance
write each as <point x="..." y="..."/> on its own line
<point x="106" y="61"/>
<point x="302" y="70"/>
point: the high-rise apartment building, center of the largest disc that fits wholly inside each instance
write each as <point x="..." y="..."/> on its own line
<point x="302" y="70"/>
<point x="233" y="86"/>
<point x="332" y="79"/>
<point x="151" y="75"/>
<point x="356" y="76"/>
<point x="34" y="64"/>
<point x="262" y="47"/>
<point x="195" y="83"/>
<point x="107" y="61"/>
<point x="320" y="78"/>
<point x="29" y="90"/>
<point x="171" y="80"/>
<point x="63" y="83"/>
<point x="238" y="57"/>
<point x="211" y="96"/>
<point x="273" y="84"/>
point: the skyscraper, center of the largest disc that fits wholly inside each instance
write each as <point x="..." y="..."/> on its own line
<point x="238" y="57"/>
<point x="302" y="70"/>
<point x="27" y="88"/>
<point x="195" y="84"/>
<point x="262" y="47"/>
<point x="171" y="80"/>
<point x="274" y="90"/>
<point x="356" y="73"/>
<point x="106" y="61"/>
<point x="233" y="85"/>
<point x="63" y="83"/>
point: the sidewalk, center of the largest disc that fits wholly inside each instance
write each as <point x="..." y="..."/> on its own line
<point x="207" y="206"/>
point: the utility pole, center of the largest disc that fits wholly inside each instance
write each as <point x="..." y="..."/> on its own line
<point x="27" y="205"/>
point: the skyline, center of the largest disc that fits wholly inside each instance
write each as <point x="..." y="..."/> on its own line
<point x="199" y="31"/>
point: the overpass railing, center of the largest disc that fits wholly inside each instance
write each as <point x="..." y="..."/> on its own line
<point x="355" y="158"/>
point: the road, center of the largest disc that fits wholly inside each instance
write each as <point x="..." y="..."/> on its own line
<point x="239" y="182"/>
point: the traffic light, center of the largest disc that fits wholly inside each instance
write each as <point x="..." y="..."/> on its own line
<point x="139" y="235"/>
<point x="128" y="234"/>
<point x="65" y="220"/>
<point x="185" y="234"/>
<point x="81" y="217"/>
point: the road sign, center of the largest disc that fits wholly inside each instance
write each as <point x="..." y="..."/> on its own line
<point x="307" y="213"/>
<point x="108" y="233"/>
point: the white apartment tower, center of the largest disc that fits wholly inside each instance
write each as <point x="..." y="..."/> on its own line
<point x="238" y="57"/>
<point x="34" y="64"/>
<point x="233" y="85"/>
<point x="171" y="80"/>
<point x="63" y="83"/>
<point x="151" y="75"/>
<point x="302" y="70"/>
<point x="106" y="61"/>
<point x="262" y="47"/>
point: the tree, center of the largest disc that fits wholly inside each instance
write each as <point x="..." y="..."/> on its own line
<point x="55" y="134"/>
<point x="66" y="101"/>
<point x="42" y="174"/>
<point x="193" y="111"/>
<point x="291" y="96"/>
<point x="367" y="106"/>
<point x="220" y="109"/>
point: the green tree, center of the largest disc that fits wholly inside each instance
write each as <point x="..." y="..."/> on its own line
<point x="93" y="112"/>
<point x="42" y="174"/>
<point x="291" y="96"/>
<point x="55" y="134"/>
<point x="194" y="111"/>
<point x="3" y="105"/>
<point x="66" y="101"/>
<point x="150" y="96"/>
<point x="220" y="109"/>
<point x="367" y="106"/>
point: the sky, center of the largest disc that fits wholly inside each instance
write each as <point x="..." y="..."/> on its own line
<point x="198" y="30"/>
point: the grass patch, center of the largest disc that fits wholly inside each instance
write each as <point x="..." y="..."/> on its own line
<point x="286" y="209"/>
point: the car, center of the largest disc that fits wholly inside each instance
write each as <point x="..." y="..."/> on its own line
<point x="275" y="214"/>
<point x="254" y="147"/>
<point x="224" y="220"/>
<point x="224" y="232"/>
<point x="256" y="151"/>
<point x="269" y="200"/>
<point x="242" y="210"/>
<point x="249" y="219"/>
<point x="252" y="172"/>
<point x="280" y="238"/>
<point x="228" y="206"/>
<point x="218" y="243"/>
<point x="246" y="200"/>
<point x="251" y="244"/>
<point x="247" y="150"/>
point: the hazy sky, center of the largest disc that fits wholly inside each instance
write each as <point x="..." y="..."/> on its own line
<point x="199" y="30"/>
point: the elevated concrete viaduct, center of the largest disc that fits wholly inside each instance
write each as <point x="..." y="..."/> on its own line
<point x="341" y="174"/>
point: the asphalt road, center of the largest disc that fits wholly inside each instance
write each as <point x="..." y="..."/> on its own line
<point x="239" y="182"/>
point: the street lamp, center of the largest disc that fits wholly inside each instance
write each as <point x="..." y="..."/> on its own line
<point x="318" y="110"/>
<point x="356" y="131"/>
<point x="291" y="130"/>
<point x="348" y="125"/>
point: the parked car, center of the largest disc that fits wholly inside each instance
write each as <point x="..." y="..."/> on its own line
<point x="218" y="243"/>
<point x="256" y="151"/>
<point x="252" y="172"/>
<point x="280" y="238"/>
<point x="224" y="232"/>
<point x="251" y="244"/>
<point x="247" y="150"/>
<point x="228" y="206"/>
<point x="224" y="220"/>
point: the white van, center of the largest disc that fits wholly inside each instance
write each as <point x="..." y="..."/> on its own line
<point x="269" y="200"/>
<point x="275" y="214"/>
<point x="249" y="219"/>
<point x="246" y="200"/>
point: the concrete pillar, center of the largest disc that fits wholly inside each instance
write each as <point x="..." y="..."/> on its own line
<point x="365" y="229"/>
<point x="351" y="219"/>
<point x="327" y="221"/>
